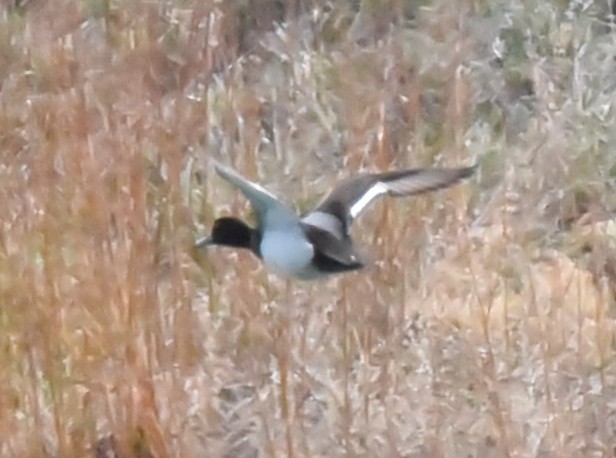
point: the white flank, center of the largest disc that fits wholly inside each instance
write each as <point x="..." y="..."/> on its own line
<point x="286" y="251"/>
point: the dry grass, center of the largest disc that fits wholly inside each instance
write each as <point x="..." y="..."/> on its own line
<point x="485" y="326"/>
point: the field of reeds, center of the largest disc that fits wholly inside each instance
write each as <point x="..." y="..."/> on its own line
<point x="485" y="323"/>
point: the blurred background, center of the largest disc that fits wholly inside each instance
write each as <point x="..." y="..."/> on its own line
<point x="484" y="326"/>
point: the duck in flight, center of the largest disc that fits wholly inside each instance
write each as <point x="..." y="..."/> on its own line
<point x="318" y="243"/>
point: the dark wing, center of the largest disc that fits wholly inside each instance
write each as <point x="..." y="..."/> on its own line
<point x="353" y="195"/>
<point x="332" y="254"/>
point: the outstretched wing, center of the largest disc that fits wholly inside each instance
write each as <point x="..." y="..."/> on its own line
<point x="267" y="206"/>
<point x="352" y="196"/>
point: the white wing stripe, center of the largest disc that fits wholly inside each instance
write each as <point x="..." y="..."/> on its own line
<point x="374" y="191"/>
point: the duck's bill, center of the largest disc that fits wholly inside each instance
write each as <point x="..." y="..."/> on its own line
<point x="203" y="241"/>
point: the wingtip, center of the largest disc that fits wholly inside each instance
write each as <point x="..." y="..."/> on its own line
<point x="228" y="173"/>
<point x="218" y="166"/>
<point x="203" y="241"/>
